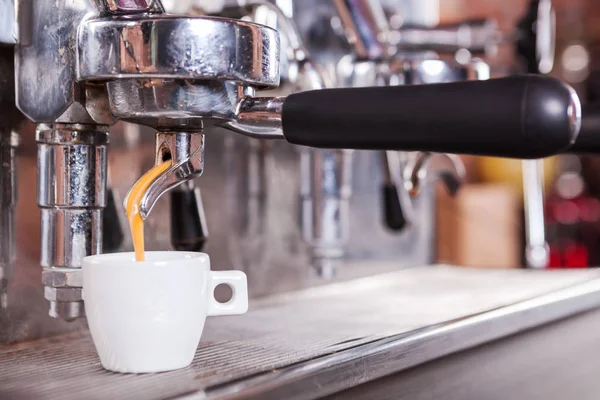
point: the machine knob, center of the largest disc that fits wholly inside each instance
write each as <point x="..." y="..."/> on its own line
<point x="188" y="223"/>
<point x="397" y="206"/>
<point x="517" y="117"/>
<point x="394" y="214"/>
<point x="112" y="232"/>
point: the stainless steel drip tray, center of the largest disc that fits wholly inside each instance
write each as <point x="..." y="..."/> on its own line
<point x="318" y="341"/>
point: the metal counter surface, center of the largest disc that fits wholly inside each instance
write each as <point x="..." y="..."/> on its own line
<point x="318" y="341"/>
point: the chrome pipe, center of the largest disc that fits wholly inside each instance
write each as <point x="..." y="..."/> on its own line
<point x="326" y="177"/>
<point x="366" y="28"/>
<point x="325" y="174"/>
<point x="186" y="152"/>
<point x="537" y="252"/>
<point x="258" y="117"/>
<point x="8" y="201"/>
<point x="478" y="37"/>
<point x="71" y="194"/>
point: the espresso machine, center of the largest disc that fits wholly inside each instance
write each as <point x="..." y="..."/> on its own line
<point x="194" y="82"/>
<point x="110" y="70"/>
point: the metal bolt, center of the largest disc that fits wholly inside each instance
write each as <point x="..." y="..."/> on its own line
<point x="62" y="277"/>
<point x="63" y="294"/>
<point x="325" y="267"/>
<point x="67" y="310"/>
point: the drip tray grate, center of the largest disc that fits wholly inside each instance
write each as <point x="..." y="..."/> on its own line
<point x="281" y="332"/>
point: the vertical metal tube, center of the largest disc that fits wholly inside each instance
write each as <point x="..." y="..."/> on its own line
<point x="8" y="201"/>
<point x="325" y="174"/>
<point x="537" y="253"/>
<point x="326" y="177"/>
<point x="256" y="179"/>
<point x="71" y="194"/>
<point x="366" y="27"/>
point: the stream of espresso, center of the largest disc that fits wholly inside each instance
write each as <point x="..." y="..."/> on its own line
<point x="132" y="207"/>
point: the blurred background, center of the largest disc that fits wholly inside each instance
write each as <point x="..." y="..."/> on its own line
<point x="493" y="195"/>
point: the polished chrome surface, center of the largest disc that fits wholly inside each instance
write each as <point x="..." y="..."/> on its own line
<point x="68" y="235"/>
<point x="201" y="48"/>
<point x="71" y="149"/>
<point x="166" y="65"/>
<point x="272" y="14"/>
<point x="326" y="186"/>
<point x="8" y="22"/>
<point x="366" y="28"/>
<point x="316" y="342"/>
<point x="167" y="104"/>
<point x="47" y="89"/>
<point x="478" y="37"/>
<point x="10" y="118"/>
<point x="258" y="117"/>
<point x="8" y="201"/>
<point x="72" y="164"/>
<point x="129" y="6"/>
<point x="427" y="71"/>
<point x="537" y="251"/>
<point x="302" y="71"/>
<point x="325" y="176"/>
<point x="186" y="151"/>
<point x="283" y="21"/>
<point x="427" y="168"/>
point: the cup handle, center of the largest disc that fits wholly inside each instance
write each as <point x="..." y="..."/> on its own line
<point x="236" y="280"/>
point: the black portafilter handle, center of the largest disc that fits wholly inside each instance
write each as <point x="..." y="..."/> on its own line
<point x="188" y="223"/>
<point x="588" y="141"/>
<point x="524" y="117"/>
<point x="112" y="231"/>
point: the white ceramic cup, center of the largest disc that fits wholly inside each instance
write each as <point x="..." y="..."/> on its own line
<point x="148" y="316"/>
